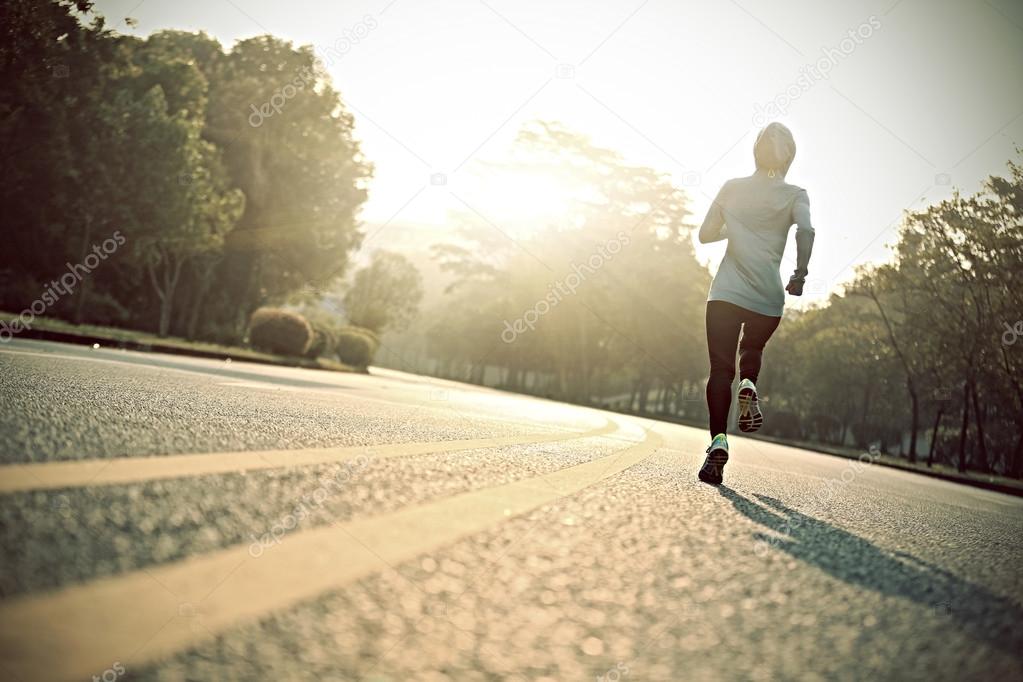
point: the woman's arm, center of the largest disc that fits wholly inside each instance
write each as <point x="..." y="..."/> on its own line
<point x="804" y="242"/>
<point x="712" y="229"/>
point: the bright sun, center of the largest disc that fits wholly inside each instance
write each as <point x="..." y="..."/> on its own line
<point x="523" y="201"/>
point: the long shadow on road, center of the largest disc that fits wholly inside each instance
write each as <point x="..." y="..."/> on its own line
<point x="980" y="613"/>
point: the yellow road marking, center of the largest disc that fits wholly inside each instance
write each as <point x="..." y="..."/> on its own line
<point x="138" y="617"/>
<point x="120" y="470"/>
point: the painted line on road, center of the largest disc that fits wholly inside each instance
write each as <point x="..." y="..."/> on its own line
<point x="139" y="617"/>
<point x="121" y="470"/>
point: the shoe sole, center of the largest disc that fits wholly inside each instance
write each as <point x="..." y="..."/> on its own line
<point x="750" y="416"/>
<point x="713" y="468"/>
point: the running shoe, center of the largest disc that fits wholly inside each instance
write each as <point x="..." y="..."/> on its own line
<point x="750" y="416"/>
<point x="714" y="466"/>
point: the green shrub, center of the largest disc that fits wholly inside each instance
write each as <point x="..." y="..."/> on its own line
<point x="373" y="337"/>
<point x="324" y="340"/>
<point x="281" y="332"/>
<point x="369" y="334"/>
<point x="356" y="346"/>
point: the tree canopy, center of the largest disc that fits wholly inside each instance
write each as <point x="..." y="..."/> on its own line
<point x="222" y="210"/>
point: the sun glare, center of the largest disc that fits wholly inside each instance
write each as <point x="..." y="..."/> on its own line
<point x="524" y="200"/>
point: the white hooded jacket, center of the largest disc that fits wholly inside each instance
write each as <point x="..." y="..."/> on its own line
<point x="754" y="214"/>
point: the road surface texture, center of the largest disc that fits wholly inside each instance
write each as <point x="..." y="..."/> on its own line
<point x="168" y="518"/>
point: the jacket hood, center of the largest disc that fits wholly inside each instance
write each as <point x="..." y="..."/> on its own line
<point x="775" y="148"/>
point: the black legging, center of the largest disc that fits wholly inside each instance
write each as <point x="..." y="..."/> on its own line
<point x="724" y="320"/>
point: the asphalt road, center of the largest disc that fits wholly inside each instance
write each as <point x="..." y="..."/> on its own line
<point x="168" y="518"/>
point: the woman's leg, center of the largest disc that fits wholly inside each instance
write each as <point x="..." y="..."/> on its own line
<point x="723" y="324"/>
<point x="756" y="331"/>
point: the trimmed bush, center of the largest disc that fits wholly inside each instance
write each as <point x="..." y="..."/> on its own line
<point x="373" y="337"/>
<point x="316" y="345"/>
<point x="280" y="332"/>
<point x="324" y="341"/>
<point x="368" y="333"/>
<point x="356" y="346"/>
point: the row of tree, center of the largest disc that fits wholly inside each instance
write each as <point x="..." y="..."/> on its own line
<point x="232" y="176"/>
<point x="607" y="301"/>
<point x="918" y="356"/>
<point x="926" y="351"/>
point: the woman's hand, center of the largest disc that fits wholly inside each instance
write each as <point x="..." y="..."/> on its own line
<point x="795" y="285"/>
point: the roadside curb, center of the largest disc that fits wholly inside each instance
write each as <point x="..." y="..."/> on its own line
<point x="976" y="482"/>
<point x="169" y="349"/>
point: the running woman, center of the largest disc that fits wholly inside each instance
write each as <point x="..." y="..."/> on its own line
<point x="754" y="215"/>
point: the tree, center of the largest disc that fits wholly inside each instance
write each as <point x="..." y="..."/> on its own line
<point x="288" y="144"/>
<point x="52" y="104"/>
<point x="385" y="294"/>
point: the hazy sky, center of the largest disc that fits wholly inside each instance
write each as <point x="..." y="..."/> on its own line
<point x="922" y="96"/>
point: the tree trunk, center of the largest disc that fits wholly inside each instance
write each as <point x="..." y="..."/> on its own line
<point x="83" y="287"/>
<point x="1016" y="468"/>
<point x="584" y="360"/>
<point x="249" y="301"/>
<point x="910" y="386"/>
<point x="165" y="310"/>
<point x="165" y="292"/>
<point x="934" y="435"/>
<point x="978" y="417"/>
<point x="861" y="437"/>
<point x="914" y="422"/>
<point x="963" y="429"/>
<point x="208" y="269"/>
